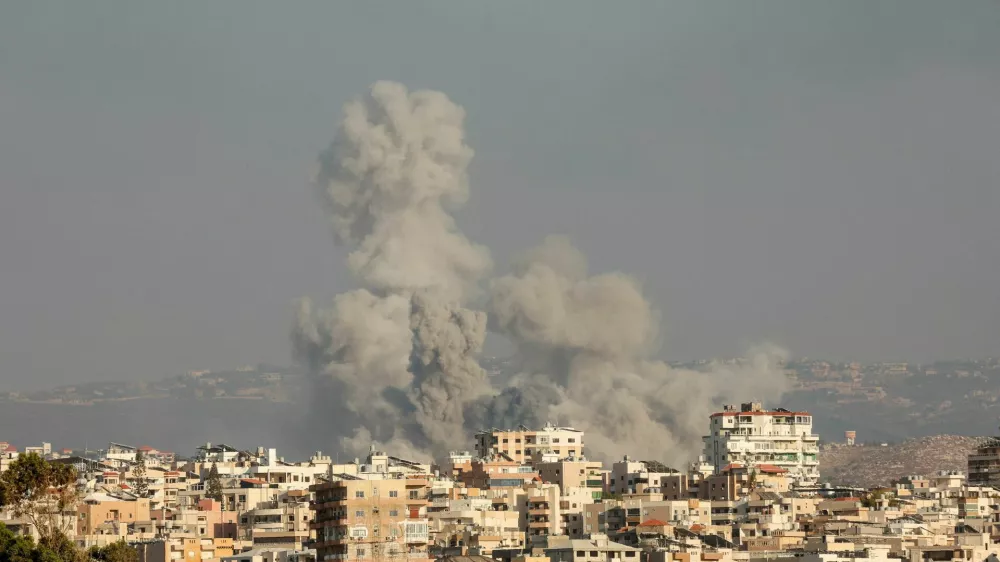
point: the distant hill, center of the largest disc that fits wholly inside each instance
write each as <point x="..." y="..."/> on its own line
<point x="873" y="465"/>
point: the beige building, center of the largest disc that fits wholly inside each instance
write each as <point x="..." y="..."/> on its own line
<point x="186" y="549"/>
<point x="525" y="445"/>
<point x="361" y="519"/>
<point x="99" y="509"/>
<point x="283" y="522"/>
<point x="573" y="474"/>
<point x="598" y="548"/>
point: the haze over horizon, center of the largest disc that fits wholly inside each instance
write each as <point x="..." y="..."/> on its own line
<point x="822" y="177"/>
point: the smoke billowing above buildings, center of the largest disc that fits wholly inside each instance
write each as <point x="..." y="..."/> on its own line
<point x="396" y="360"/>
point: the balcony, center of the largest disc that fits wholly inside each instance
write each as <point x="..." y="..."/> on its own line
<point x="416" y="538"/>
<point x="538" y="524"/>
<point x="539" y="511"/>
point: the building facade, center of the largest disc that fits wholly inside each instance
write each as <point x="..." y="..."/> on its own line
<point x="359" y="519"/>
<point x="984" y="464"/>
<point x="527" y="446"/>
<point x="752" y="435"/>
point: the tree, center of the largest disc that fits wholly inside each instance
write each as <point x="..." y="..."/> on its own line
<point x="63" y="548"/>
<point x="20" y="548"/>
<point x="141" y="486"/>
<point x="213" y="486"/>
<point x="40" y="492"/>
<point x="115" y="552"/>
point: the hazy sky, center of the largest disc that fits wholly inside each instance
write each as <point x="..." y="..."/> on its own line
<point x="822" y="175"/>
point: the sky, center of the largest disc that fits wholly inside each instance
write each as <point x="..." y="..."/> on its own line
<point x="819" y="175"/>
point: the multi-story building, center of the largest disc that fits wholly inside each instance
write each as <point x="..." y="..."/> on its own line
<point x="357" y="519"/>
<point x="629" y="476"/>
<point x="528" y="445"/>
<point x="281" y="522"/>
<point x="752" y="435"/>
<point x="574" y="474"/>
<point x="98" y="509"/>
<point x="984" y="464"/>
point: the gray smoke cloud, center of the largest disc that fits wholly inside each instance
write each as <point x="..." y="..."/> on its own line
<point x="590" y="338"/>
<point x="402" y="349"/>
<point x="397" y="358"/>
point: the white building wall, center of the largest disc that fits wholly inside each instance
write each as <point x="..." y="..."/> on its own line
<point x="780" y="438"/>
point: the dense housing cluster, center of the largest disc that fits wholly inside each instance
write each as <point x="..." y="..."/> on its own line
<point x="524" y="494"/>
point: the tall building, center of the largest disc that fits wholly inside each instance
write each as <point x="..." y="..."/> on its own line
<point x="527" y="446"/>
<point x="752" y="435"/>
<point x="367" y="519"/>
<point x="984" y="464"/>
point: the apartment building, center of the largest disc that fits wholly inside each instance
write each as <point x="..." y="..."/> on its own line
<point x="629" y="476"/>
<point x="528" y="445"/>
<point x="984" y="464"/>
<point x="367" y="519"/>
<point x="97" y="509"/>
<point x="542" y="512"/>
<point x="752" y="435"/>
<point x="574" y="474"/>
<point x="597" y="548"/>
<point x="497" y="473"/>
<point x="187" y="549"/>
<point x="281" y="522"/>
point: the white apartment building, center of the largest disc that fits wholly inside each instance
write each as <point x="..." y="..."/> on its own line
<point x="529" y="445"/>
<point x="752" y="436"/>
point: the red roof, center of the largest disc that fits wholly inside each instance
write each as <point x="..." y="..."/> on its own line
<point x="146" y="448"/>
<point x="110" y="473"/>
<point x="696" y="527"/>
<point x="652" y="523"/>
<point x="124" y="486"/>
<point x="253" y="481"/>
<point x="10" y="449"/>
<point x="172" y="473"/>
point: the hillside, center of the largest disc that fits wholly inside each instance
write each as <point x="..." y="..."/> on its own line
<point x="873" y="465"/>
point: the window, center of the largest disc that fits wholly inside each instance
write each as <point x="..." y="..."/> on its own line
<point x="359" y="494"/>
<point x="359" y="513"/>
<point x="394" y="513"/>
<point x="555" y="439"/>
<point x="581" y="553"/>
<point x="594" y="553"/>
<point x="393" y="493"/>
<point x="243" y="499"/>
<point x="504" y="440"/>
<point x="572" y="439"/>
<point x="630" y="555"/>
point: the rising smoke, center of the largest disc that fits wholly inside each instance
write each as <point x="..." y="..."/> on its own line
<point x="397" y="358"/>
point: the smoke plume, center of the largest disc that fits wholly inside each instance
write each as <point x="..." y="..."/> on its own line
<point x="402" y="349"/>
<point x="590" y="338"/>
<point x="397" y="358"/>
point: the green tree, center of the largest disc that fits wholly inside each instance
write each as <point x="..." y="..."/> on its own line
<point x="115" y="552"/>
<point x="20" y="548"/>
<point x="140" y="485"/>
<point x="63" y="548"/>
<point x="41" y="492"/>
<point x="213" y="486"/>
